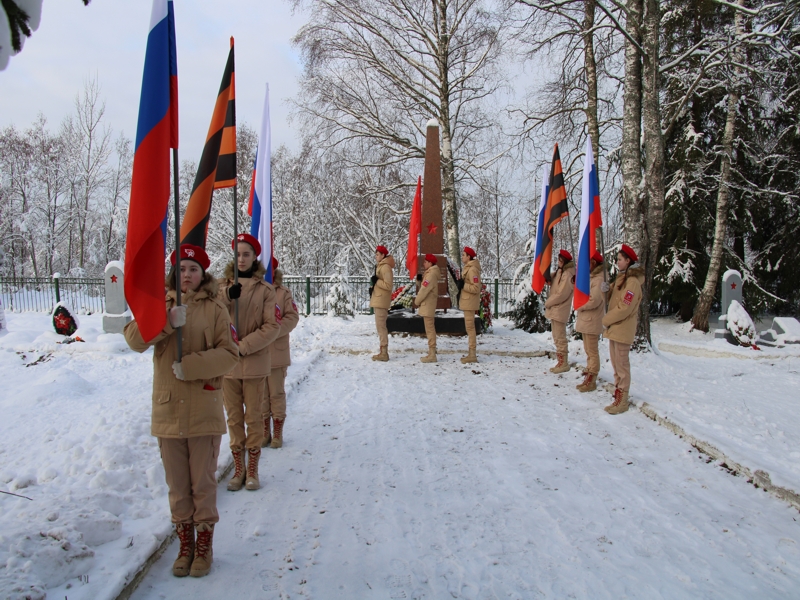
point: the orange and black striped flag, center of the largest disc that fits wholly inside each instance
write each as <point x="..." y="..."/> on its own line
<point x="217" y="168"/>
<point x="557" y="208"/>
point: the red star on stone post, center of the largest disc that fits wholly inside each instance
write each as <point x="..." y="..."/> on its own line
<point x="113" y="279"/>
<point x="432" y="229"/>
<point x="733" y="286"/>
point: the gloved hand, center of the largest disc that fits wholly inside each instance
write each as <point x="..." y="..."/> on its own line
<point x="235" y="291"/>
<point x="604" y="287"/>
<point x="177" y="368"/>
<point x="460" y="284"/>
<point x="177" y="316"/>
<point x="374" y="280"/>
<point x="419" y="276"/>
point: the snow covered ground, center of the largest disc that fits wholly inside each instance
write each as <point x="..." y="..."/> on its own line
<point x="404" y="480"/>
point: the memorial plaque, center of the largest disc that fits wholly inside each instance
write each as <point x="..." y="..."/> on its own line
<point x="116" y="314"/>
<point x="731" y="290"/>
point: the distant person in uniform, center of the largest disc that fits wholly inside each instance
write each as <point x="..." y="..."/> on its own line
<point x="426" y="300"/>
<point x="380" y="298"/>
<point x="589" y="322"/>
<point x="620" y="324"/>
<point x="558" y="306"/>
<point x="469" y="300"/>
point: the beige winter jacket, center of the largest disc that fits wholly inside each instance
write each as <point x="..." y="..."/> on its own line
<point x="558" y="305"/>
<point x="471" y="294"/>
<point x="590" y="315"/>
<point x="623" y="306"/>
<point x="281" y="356"/>
<point x="382" y="294"/>
<point x="190" y="408"/>
<point x="258" y="325"/>
<point x="428" y="294"/>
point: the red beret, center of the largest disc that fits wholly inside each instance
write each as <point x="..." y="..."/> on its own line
<point x="248" y="239"/>
<point x="628" y="251"/>
<point x="191" y="252"/>
<point x="565" y="255"/>
<point x="431" y="259"/>
<point x="382" y="250"/>
<point x="469" y="252"/>
<point x="597" y="257"/>
<point x="274" y="263"/>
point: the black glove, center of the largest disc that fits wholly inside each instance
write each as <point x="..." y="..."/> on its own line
<point x="374" y="280"/>
<point x="235" y="291"/>
<point x="460" y="284"/>
<point x="371" y="289"/>
<point x="419" y="276"/>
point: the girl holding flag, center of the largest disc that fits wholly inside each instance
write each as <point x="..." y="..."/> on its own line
<point x="558" y="307"/>
<point x="244" y="386"/>
<point x="187" y="418"/>
<point x="589" y="323"/>
<point x="380" y="298"/>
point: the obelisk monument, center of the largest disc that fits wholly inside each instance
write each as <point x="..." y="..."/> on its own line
<point x="432" y="235"/>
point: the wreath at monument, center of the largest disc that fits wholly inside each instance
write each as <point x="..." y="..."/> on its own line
<point x="403" y="297"/>
<point x="741" y="325"/>
<point x="64" y="320"/>
<point x="486" y="307"/>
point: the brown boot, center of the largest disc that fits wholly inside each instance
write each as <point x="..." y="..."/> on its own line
<point x="203" y="550"/>
<point x="431" y="357"/>
<point x="267" y="433"/>
<point x="589" y="383"/>
<point x="383" y="355"/>
<point x="277" y="435"/>
<point x="182" y="564"/>
<point x="620" y="403"/>
<point x="562" y="366"/>
<point x="471" y="357"/>
<point x="253" y="456"/>
<point x="236" y="482"/>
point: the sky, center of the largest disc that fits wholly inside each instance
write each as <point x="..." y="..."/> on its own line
<point x="106" y="40"/>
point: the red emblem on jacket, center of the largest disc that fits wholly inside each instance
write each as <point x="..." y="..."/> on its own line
<point x="234" y="335"/>
<point x="474" y="280"/>
<point x="628" y="297"/>
<point x="294" y="306"/>
<point x="425" y="283"/>
<point x="278" y="315"/>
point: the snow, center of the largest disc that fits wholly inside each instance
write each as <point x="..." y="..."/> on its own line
<point x="398" y="479"/>
<point x="740" y="324"/>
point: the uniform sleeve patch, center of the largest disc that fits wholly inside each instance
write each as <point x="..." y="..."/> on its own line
<point x="278" y="314"/>
<point x="628" y="297"/>
<point x="234" y="335"/>
<point x="294" y="306"/>
<point x="474" y="280"/>
<point x="425" y="283"/>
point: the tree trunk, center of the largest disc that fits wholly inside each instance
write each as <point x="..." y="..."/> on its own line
<point x="703" y="306"/>
<point x="590" y="66"/>
<point x="631" y="151"/>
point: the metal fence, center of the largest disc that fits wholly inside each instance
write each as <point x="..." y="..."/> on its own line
<point x="313" y="295"/>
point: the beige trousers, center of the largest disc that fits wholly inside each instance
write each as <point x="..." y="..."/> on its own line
<point x="620" y="360"/>
<point x="274" y="404"/>
<point x="430" y="331"/>
<point x="381" y="315"/>
<point x="242" y="399"/>
<point x="190" y="465"/>
<point x="469" y="324"/>
<point x="559" y="330"/>
<point x="590" y="346"/>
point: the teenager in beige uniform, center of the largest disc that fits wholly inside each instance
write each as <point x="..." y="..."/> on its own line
<point x="620" y="323"/>
<point x="244" y="386"/>
<point x="380" y="297"/>
<point x="589" y="322"/>
<point x="426" y="300"/>
<point x="558" y="307"/>
<point x="470" y="299"/>
<point x="187" y="417"/>
<point x="274" y="405"/>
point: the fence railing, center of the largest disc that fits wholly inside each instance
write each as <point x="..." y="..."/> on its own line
<point x="312" y="294"/>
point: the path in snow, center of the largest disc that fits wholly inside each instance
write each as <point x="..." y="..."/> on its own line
<point x="495" y="480"/>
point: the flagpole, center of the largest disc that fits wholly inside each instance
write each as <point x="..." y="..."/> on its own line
<point x="175" y="188"/>
<point x="235" y="260"/>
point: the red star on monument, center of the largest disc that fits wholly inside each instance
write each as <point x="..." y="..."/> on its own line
<point x="113" y="279"/>
<point x="432" y="228"/>
<point x="733" y="286"/>
<point x="62" y="321"/>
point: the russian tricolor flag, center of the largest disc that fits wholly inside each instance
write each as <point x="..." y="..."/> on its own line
<point x="538" y="281"/>
<point x="591" y="219"/>
<point x="156" y="133"/>
<point x="260" y="207"/>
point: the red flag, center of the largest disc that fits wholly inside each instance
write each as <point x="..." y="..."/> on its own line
<point x="414" y="229"/>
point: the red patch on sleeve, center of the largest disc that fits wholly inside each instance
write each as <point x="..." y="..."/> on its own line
<point x="425" y="283"/>
<point x="294" y="306"/>
<point x="234" y="335"/>
<point x="474" y="280"/>
<point x="628" y="297"/>
<point x="278" y="314"/>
